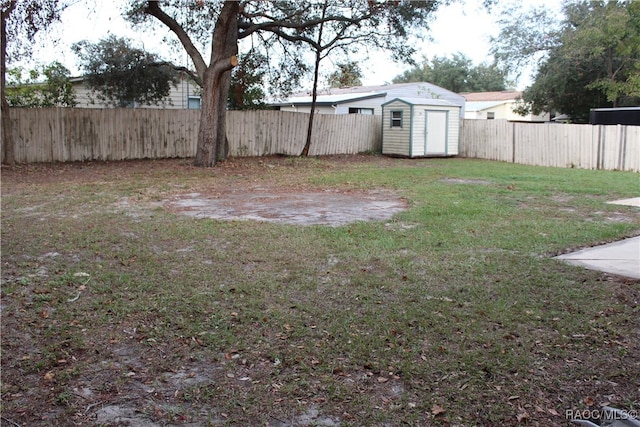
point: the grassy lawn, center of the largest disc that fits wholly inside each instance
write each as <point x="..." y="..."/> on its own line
<point x="116" y="310"/>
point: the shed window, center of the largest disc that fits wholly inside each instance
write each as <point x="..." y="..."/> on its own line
<point x="396" y="119"/>
<point x="491" y="115"/>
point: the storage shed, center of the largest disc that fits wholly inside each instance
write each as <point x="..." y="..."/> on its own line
<point x="419" y="127"/>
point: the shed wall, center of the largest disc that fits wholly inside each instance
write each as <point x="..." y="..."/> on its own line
<point x="396" y="141"/>
<point x="410" y="139"/>
<point x="453" y="128"/>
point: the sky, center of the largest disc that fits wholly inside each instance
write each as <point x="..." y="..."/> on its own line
<point x="464" y="27"/>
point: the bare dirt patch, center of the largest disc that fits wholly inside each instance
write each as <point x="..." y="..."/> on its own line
<point x="304" y="208"/>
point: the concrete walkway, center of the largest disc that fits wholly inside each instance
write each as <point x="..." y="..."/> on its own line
<point x="621" y="258"/>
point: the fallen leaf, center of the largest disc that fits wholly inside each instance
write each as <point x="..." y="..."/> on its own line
<point x="513" y="397"/>
<point x="553" y="412"/>
<point x="437" y="410"/>
<point x="49" y="376"/>
<point x="382" y="379"/>
<point x="589" y="401"/>
<point x="522" y="416"/>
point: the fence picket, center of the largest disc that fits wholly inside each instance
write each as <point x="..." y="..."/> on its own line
<point x="78" y="134"/>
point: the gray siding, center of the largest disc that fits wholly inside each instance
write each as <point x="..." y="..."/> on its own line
<point x="177" y="99"/>
<point x="396" y="141"/>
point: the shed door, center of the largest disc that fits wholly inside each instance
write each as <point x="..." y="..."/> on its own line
<point x="436" y="132"/>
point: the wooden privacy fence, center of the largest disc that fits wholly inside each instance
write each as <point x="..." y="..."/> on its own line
<point x="68" y="134"/>
<point x="551" y="144"/>
<point x="77" y="134"/>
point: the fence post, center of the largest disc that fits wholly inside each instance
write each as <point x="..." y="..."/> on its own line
<point x="622" y="146"/>
<point x="600" y="154"/>
<point x="513" y="142"/>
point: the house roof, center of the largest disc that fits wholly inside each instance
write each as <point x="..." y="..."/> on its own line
<point x="330" y="99"/>
<point x="424" y="101"/>
<point x="333" y="96"/>
<point x="507" y="95"/>
<point x="364" y="89"/>
<point x="482" y="105"/>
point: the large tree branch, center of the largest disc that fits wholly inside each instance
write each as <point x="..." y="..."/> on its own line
<point x="296" y="39"/>
<point x="224" y="65"/>
<point x="194" y="76"/>
<point x="248" y="28"/>
<point x="153" y="9"/>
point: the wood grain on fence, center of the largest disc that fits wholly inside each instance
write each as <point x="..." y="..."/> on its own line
<point x="552" y="144"/>
<point x="70" y="134"/>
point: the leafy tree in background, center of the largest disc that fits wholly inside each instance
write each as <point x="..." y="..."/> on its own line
<point x="457" y="74"/>
<point x="30" y="91"/>
<point x="123" y="75"/>
<point x="20" y="21"/>
<point x="589" y="59"/>
<point x="285" y="26"/>
<point x="247" y="82"/>
<point x="348" y="74"/>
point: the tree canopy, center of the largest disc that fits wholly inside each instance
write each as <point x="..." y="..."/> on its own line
<point x="348" y="74"/>
<point x="278" y="30"/>
<point x="591" y="58"/>
<point x="122" y="75"/>
<point x="246" y="91"/>
<point x="457" y="74"/>
<point x="31" y="90"/>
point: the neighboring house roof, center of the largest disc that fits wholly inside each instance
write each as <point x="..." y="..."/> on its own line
<point x="330" y="99"/>
<point x="424" y="101"/>
<point x="375" y="88"/>
<point x="506" y="95"/>
<point x="481" y="105"/>
<point x="356" y="93"/>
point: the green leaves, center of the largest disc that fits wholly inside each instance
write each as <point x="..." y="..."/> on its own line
<point x="123" y="75"/>
<point x="589" y="60"/>
<point x="31" y="91"/>
<point x="458" y="74"/>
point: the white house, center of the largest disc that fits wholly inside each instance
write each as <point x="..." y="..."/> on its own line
<point x="367" y="99"/>
<point x="185" y="95"/>
<point x="497" y="105"/>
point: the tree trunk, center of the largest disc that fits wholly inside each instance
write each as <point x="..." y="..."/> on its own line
<point x="7" y="131"/>
<point x="314" y="96"/>
<point x="212" y="136"/>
